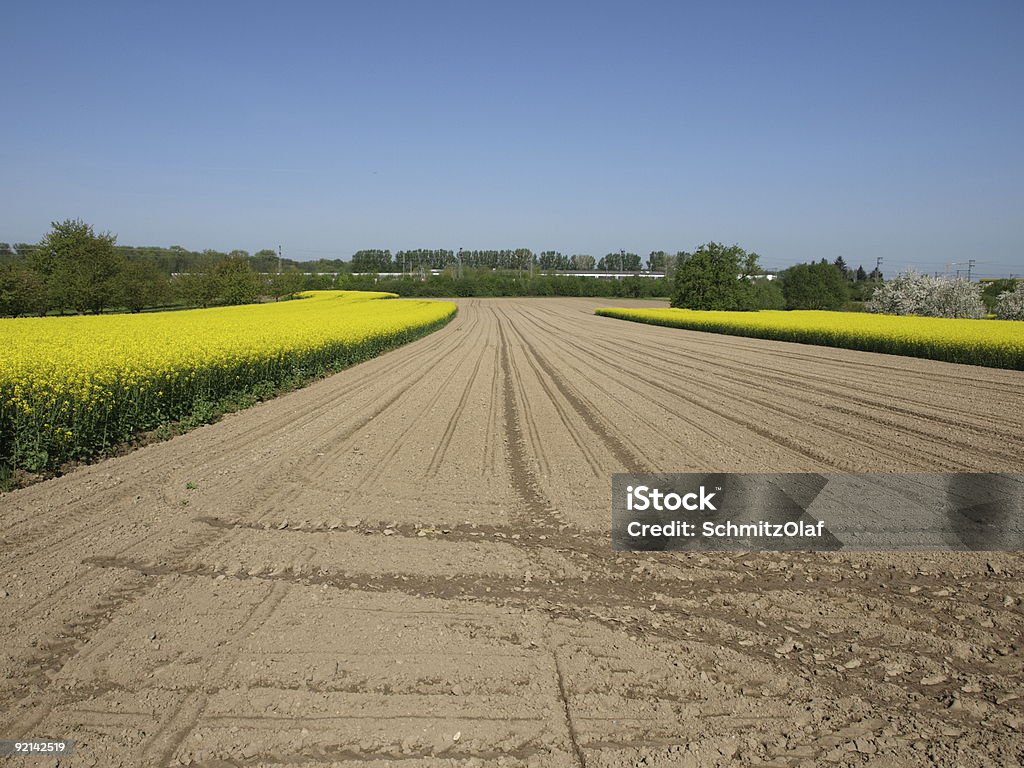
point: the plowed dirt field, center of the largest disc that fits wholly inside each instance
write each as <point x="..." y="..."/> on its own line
<point x="410" y="560"/>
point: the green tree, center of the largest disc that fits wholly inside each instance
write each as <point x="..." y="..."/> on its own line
<point x="814" y="286"/>
<point x="552" y="260"/>
<point x="766" y="294"/>
<point x="141" y="284"/>
<point x="288" y="283"/>
<point x="235" y="281"/>
<point x="715" y="276"/>
<point x="376" y="260"/>
<point x="619" y="262"/>
<point x="657" y="261"/>
<point x="79" y="267"/>
<point x="22" y="291"/>
<point x="264" y="260"/>
<point x="196" y="289"/>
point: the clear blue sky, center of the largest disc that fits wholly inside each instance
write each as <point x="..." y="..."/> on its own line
<point x="798" y="130"/>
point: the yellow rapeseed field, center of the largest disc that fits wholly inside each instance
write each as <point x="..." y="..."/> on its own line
<point x="994" y="343"/>
<point x="71" y="386"/>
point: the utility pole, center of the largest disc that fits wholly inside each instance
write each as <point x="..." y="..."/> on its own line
<point x="279" y="259"/>
<point x="878" y="267"/>
<point x="970" y="268"/>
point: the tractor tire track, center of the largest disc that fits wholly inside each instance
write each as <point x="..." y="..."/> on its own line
<point x="410" y="560"/>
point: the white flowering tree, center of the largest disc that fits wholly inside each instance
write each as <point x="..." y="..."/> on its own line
<point x="912" y="293"/>
<point x="1010" y="305"/>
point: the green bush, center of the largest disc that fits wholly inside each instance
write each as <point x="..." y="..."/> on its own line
<point x="715" y="277"/>
<point x="818" y="285"/>
<point x="766" y="294"/>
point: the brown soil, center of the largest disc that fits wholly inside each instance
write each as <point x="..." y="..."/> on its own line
<point x="411" y="561"/>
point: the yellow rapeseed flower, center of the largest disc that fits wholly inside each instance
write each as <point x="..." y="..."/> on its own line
<point x="994" y="343"/>
<point x="103" y="378"/>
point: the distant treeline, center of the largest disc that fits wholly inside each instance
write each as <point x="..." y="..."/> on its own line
<point x="485" y="282"/>
<point x="523" y="259"/>
<point x="376" y="260"/>
<point x="176" y="259"/>
<point x="74" y="269"/>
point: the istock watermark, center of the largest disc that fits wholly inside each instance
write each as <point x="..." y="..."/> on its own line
<point x="811" y="511"/>
<point x="641" y="498"/>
